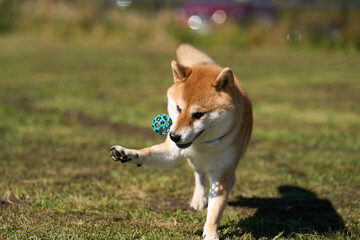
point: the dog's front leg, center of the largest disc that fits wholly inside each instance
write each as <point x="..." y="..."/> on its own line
<point x="220" y="186"/>
<point x="161" y="156"/>
<point x="199" y="200"/>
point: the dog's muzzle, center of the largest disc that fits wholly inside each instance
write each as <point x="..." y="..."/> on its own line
<point x="176" y="138"/>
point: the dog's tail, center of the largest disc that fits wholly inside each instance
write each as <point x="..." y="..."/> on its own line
<point x="190" y="56"/>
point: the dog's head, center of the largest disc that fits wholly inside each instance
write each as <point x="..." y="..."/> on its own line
<point x="201" y="103"/>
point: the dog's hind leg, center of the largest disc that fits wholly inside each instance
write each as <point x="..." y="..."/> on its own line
<point x="199" y="199"/>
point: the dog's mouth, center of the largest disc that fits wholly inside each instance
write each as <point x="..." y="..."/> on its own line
<point x="186" y="145"/>
<point x="183" y="146"/>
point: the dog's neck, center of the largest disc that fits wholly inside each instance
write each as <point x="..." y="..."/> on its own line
<point x="214" y="141"/>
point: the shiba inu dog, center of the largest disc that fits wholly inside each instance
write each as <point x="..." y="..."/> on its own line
<point x="212" y="124"/>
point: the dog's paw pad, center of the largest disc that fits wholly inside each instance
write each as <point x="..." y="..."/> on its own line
<point x="118" y="153"/>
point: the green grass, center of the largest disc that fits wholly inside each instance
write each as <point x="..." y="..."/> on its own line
<point x="62" y="105"/>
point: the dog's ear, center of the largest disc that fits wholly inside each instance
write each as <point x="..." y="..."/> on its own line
<point x="180" y="72"/>
<point x="224" y="81"/>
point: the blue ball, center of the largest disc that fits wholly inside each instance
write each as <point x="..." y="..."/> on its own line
<point x="161" y="124"/>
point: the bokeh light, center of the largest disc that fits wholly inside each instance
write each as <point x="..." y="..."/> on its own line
<point x="123" y="3"/>
<point x="335" y="35"/>
<point x="294" y="36"/>
<point x="195" y="22"/>
<point x="219" y="16"/>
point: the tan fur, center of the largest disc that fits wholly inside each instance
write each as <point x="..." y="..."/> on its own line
<point x="196" y="90"/>
<point x="213" y="143"/>
<point x="190" y="56"/>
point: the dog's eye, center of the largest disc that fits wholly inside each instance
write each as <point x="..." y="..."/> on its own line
<point x="198" y="115"/>
<point x="178" y="108"/>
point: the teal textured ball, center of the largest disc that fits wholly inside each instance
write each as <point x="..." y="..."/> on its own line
<point x="161" y="124"/>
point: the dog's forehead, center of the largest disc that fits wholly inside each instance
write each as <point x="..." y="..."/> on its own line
<point x="203" y="75"/>
<point x="197" y="92"/>
<point x="198" y="87"/>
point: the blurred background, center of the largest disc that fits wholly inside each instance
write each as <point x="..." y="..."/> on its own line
<point x="78" y="76"/>
<point x="238" y="23"/>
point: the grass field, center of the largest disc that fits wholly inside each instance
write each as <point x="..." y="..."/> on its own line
<point x="62" y="106"/>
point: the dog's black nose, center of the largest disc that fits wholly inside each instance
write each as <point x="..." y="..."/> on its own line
<point x="175" y="137"/>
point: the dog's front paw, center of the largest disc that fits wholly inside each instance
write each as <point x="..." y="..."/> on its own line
<point x="198" y="202"/>
<point x="119" y="153"/>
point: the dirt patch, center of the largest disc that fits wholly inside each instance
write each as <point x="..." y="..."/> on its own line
<point x="22" y="102"/>
<point x="75" y="117"/>
<point x="121" y="128"/>
<point x="9" y="202"/>
<point x="167" y="203"/>
<point x="26" y="104"/>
